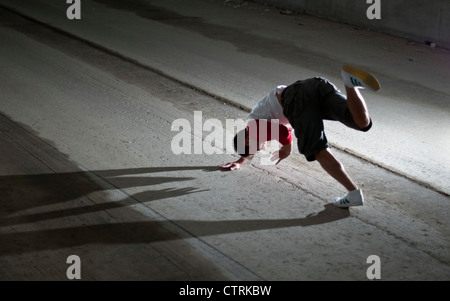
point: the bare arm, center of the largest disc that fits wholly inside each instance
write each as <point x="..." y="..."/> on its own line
<point x="282" y="153"/>
<point x="233" y="165"/>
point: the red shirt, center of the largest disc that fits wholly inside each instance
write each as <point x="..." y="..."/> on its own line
<point x="262" y="131"/>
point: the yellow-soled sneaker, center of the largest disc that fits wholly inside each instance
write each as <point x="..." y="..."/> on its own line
<point x="354" y="77"/>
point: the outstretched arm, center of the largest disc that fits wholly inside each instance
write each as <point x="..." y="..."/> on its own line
<point x="233" y="165"/>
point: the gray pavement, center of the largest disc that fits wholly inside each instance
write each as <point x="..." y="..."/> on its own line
<point x="238" y="51"/>
<point x="87" y="168"/>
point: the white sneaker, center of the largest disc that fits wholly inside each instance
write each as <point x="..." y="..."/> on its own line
<point x="351" y="198"/>
<point x="356" y="78"/>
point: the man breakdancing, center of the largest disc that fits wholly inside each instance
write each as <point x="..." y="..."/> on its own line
<point x="301" y="107"/>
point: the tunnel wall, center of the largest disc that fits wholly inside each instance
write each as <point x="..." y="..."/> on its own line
<point x="418" y="20"/>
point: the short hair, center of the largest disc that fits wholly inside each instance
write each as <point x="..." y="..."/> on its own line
<point x="238" y="141"/>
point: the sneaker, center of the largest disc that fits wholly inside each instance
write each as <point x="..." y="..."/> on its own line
<point x="354" y="77"/>
<point x="351" y="198"/>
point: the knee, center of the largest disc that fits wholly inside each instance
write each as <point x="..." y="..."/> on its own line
<point x="366" y="125"/>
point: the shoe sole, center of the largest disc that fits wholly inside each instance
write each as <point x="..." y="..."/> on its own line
<point x="348" y="206"/>
<point x="366" y="77"/>
<point x="338" y="204"/>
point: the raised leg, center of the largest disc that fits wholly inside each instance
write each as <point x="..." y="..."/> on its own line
<point x="357" y="107"/>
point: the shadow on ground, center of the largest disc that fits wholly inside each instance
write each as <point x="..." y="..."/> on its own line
<point x="33" y="200"/>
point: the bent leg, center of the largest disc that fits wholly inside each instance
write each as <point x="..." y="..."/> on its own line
<point x="335" y="169"/>
<point x="349" y="109"/>
<point x="354" y="79"/>
<point x="357" y="107"/>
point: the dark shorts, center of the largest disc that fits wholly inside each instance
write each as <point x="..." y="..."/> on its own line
<point x="306" y="104"/>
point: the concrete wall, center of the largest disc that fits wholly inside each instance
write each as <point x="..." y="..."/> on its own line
<point x="418" y="20"/>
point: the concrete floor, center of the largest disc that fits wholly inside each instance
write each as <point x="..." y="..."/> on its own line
<point x="87" y="168"/>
